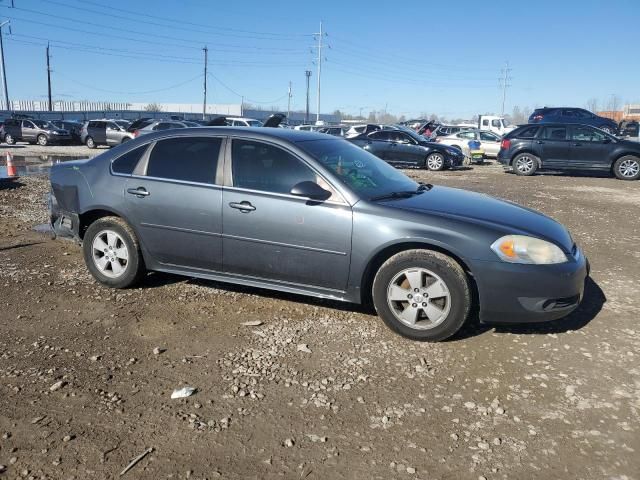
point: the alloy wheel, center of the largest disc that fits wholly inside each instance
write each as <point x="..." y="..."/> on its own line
<point x="629" y="168"/>
<point x="524" y="164"/>
<point x="435" y="161"/>
<point x="419" y="298"/>
<point x="110" y="253"/>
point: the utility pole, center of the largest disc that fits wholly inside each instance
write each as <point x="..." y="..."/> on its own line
<point x="4" y="70"/>
<point x="49" y="79"/>
<point x="289" y="101"/>
<point x="504" y="83"/>
<point x="204" y="103"/>
<point x="319" y="47"/>
<point x="306" y="114"/>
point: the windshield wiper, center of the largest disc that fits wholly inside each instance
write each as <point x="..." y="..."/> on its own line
<point x="422" y="187"/>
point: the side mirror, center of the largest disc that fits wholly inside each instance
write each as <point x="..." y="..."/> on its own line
<point x="310" y="190"/>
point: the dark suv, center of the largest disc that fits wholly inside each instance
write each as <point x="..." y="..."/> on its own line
<point x="32" y="131"/>
<point x="572" y="115"/>
<point x="574" y="147"/>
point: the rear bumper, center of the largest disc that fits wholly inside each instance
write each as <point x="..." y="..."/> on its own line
<point x="512" y="293"/>
<point x="504" y="159"/>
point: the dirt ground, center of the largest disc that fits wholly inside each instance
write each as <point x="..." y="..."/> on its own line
<point x="86" y="373"/>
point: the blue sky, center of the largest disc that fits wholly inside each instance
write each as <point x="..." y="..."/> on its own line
<point x="408" y="57"/>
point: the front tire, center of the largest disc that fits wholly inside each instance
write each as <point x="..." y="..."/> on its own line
<point x="89" y="142"/>
<point x="112" y="253"/>
<point x="525" y="164"/>
<point x="422" y="295"/>
<point x="435" y="162"/>
<point x="627" y="168"/>
<point x="9" y="140"/>
<point x="42" y="140"/>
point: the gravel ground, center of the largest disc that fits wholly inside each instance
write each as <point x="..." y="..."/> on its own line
<point x="295" y="387"/>
<point x="27" y="149"/>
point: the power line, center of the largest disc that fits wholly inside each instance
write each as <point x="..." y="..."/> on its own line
<point x="242" y="96"/>
<point x="93" y="87"/>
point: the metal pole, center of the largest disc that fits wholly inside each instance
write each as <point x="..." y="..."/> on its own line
<point x="49" y="79"/>
<point x="505" y="84"/>
<point x="204" y="103"/>
<point x="242" y="107"/>
<point x="306" y="115"/>
<point x="4" y="70"/>
<point x="289" y="101"/>
<point x="319" y="71"/>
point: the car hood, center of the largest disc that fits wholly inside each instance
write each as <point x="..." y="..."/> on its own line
<point x="476" y="207"/>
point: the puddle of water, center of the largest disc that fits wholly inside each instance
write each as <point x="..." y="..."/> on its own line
<point x="43" y="228"/>
<point x="23" y="165"/>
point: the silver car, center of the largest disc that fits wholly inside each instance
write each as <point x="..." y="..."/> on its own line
<point x="103" y="132"/>
<point x="160" y="125"/>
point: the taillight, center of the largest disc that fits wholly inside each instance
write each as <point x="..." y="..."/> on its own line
<point x="537" y="118"/>
<point x="136" y="133"/>
<point x="505" y="144"/>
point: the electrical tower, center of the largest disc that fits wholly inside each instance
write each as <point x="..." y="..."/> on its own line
<point x="505" y="79"/>
<point x="204" y="103"/>
<point x="306" y="114"/>
<point x="320" y="35"/>
<point x="289" y="95"/>
<point x="50" y="104"/>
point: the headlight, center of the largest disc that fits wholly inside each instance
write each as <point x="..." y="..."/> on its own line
<point x="523" y="249"/>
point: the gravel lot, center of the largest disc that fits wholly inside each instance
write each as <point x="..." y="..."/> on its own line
<point x="313" y="389"/>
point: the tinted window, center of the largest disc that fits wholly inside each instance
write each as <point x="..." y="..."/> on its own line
<point x="583" y="114"/>
<point x="27" y="124"/>
<point x="585" y="134"/>
<point x="569" y="113"/>
<point x="259" y="166"/>
<point x="97" y="125"/>
<point x="496" y="123"/>
<point x="554" y="133"/>
<point x="525" y="132"/>
<point x="485" y="123"/>
<point x="488" y="137"/>
<point x="192" y="159"/>
<point x="380" y="135"/>
<point x="468" y="135"/>
<point x="126" y="163"/>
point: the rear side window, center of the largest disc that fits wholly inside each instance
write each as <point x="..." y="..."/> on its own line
<point x="189" y="159"/>
<point x="554" y="133"/>
<point x="97" y="125"/>
<point x="525" y="132"/>
<point x="126" y="164"/>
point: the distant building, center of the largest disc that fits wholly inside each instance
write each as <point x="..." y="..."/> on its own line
<point x="629" y="112"/>
<point x="615" y="115"/>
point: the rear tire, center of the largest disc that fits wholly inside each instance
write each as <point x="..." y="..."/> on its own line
<point x="422" y="295"/>
<point x="90" y="143"/>
<point x="627" y="168"/>
<point x="42" y="140"/>
<point x="9" y="140"/>
<point x="525" y="164"/>
<point x="112" y="253"/>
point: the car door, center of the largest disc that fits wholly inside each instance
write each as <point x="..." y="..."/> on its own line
<point x="175" y="202"/>
<point x="112" y="131"/>
<point x="490" y="143"/>
<point x="552" y="146"/>
<point x="29" y="131"/>
<point x="98" y="131"/>
<point x="408" y="150"/>
<point x="589" y="148"/>
<point x="269" y="233"/>
<point x="379" y="143"/>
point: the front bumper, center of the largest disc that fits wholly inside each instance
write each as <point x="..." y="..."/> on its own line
<point x="455" y="160"/>
<point x="515" y="293"/>
<point x="59" y="138"/>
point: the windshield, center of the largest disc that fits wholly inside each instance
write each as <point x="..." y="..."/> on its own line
<point x="505" y="122"/>
<point x="362" y="172"/>
<point x="254" y="123"/>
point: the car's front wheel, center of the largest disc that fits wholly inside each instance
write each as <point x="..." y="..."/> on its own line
<point x="525" y="164"/>
<point x="627" y="168"/>
<point x="435" y="162"/>
<point x="112" y="253"/>
<point x="89" y="142"/>
<point x="422" y="295"/>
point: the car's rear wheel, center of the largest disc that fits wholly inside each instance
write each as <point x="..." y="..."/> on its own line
<point x="112" y="253"/>
<point x="435" y="162"/>
<point x="422" y="295"/>
<point x="125" y="139"/>
<point x="627" y="168"/>
<point x="89" y="142"/>
<point x="42" y="140"/>
<point x="525" y="164"/>
<point x="9" y="140"/>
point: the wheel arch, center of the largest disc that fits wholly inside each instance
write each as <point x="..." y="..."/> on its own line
<point x="621" y="154"/>
<point x="382" y="255"/>
<point x="89" y="216"/>
<point x="530" y="152"/>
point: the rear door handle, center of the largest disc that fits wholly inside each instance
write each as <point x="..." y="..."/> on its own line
<point x="577" y="144"/>
<point x="540" y="142"/>
<point x="244" y="206"/>
<point x="139" y="192"/>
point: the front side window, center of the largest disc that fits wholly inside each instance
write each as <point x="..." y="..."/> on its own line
<point x="381" y="135"/>
<point x="362" y="172"/>
<point x="189" y="159"/>
<point x="488" y="137"/>
<point x="554" y="133"/>
<point x="267" y="168"/>
<point x="584" y="134"/>
<point x="27" y="124"/>
<point x="468" y="135"/>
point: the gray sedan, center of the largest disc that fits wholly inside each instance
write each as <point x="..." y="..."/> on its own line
<point x="159" y="125"/>
<point x="310" y="214"/>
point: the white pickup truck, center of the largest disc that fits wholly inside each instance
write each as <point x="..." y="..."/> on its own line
<point x="494" y="124"/>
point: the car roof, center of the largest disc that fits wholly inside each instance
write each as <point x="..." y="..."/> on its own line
<point x="286" y="134"/>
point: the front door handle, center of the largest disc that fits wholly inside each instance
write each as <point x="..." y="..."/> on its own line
<point x="540" y="142"/>
<point x="139" y="192"/>
<point x="244" y="206"/>
<point x="577" y="144"/>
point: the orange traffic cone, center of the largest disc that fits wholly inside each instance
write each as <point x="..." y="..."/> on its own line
<point x="12" y="171"/>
